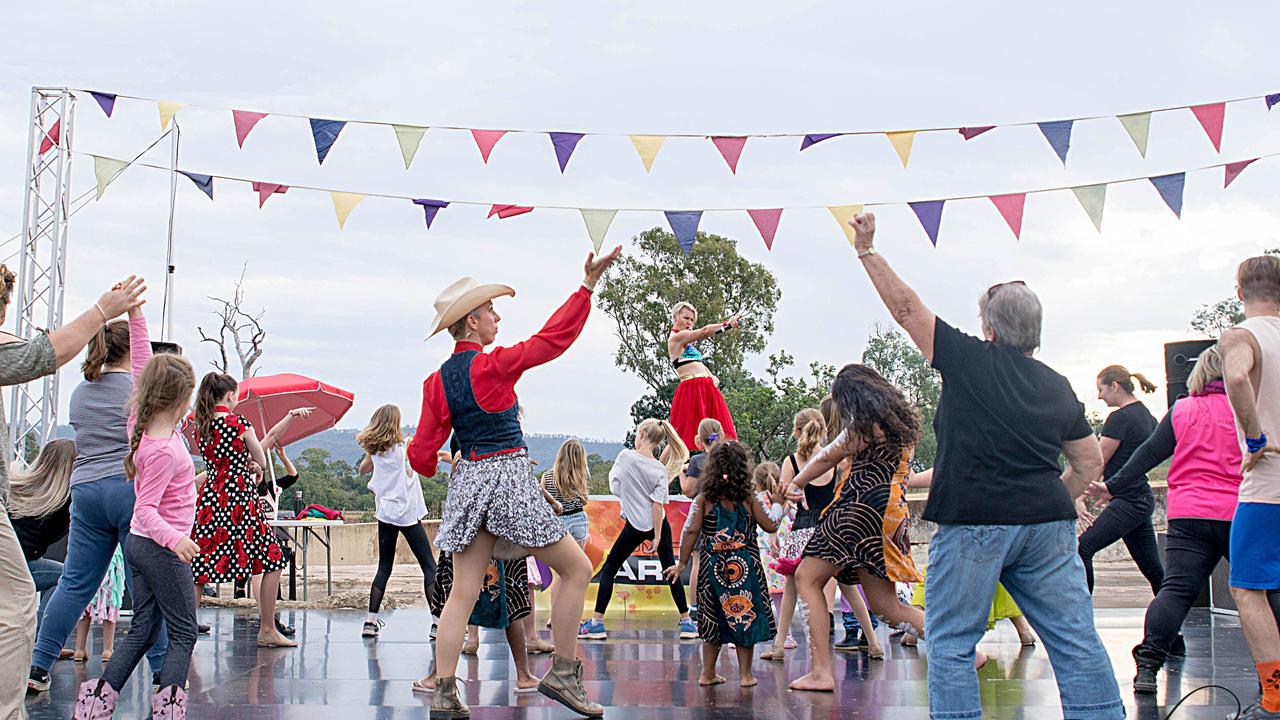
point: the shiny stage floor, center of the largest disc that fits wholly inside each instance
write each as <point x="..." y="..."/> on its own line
<point x="642" y="671"/>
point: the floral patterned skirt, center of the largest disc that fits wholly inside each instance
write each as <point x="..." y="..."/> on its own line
<point x="500" y="495"/>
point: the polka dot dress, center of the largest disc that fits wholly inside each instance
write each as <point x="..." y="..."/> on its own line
<point x="234" y="540"/>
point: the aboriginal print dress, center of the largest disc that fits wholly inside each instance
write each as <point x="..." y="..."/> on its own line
<point x="733" y="595"/>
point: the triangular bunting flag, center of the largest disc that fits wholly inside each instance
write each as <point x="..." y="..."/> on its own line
<point x="1170" y="189"/>
<point x="685" y="226"/>
<point x="930" y="214"/>
<point x="1234" y="169"/>
<point x="204" y="182"/>
<point x="1272" y="100"/>
<point x="244" y="121"/>
<point x="1211" y="117"/>
<point x="505" y="211"/>
<point x="1058" y="133"/>
<point x="648" y="146"/>
<point x="970" y="133"/>
<point x="767" y="223"/>
<point x="730" y="149"/>
<point x="325" y="133"/>
<point x="598" y="222"/>
<point x="106" y="101"/>
<point x="1092" y="198"/>
<point x="485" y="140"/>
<point x="1010" y="207"/>
<point x="167" y="111"/>
<point x="901" y="142"/>
<point x="1138" y="125"/>
<point x="564" y="143"/>
<point x="266" y="190"/>
<point x="430" y="208"/>
<point x="843" y="214"/>
<point x="105" y="170"/>
<point x="815" y="138"/>
<point x="408" y="137"/>
<point x="343" y="204"/>
<point x="51" y="138"/>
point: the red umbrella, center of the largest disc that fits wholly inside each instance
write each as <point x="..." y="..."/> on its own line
<point x="265" y="400"/>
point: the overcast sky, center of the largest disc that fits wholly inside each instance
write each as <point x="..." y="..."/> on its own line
<point x="352" y="307"/>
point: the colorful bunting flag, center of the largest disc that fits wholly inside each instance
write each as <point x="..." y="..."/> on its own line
<point x="343" y="204"/>
<point x="814" y="138"/>
<point x="1010" y="207"/>
<point x="1058" y="133"/>
<point x="1211" y="118"/>
<point x="564" y="144"/>
<point x="408" y="137"/>
<point x="1273" y="100"/>
<point x="106" y="101"/>
<point x="685" y="226"/>
<point x="430" y="208"/>
<point x="244" y="120"/>
<point x="1170" y="188"/>
<point x="51" y="138"/>
<point x="730" y="149"/>
<point x="105" y="170"/>
<point x="325" y="133"/>
<point x="167" y="110"/>
<point x="970" y="133"/>
<point x="1233" y="170"/>
<point x="767" y="223"/>
<point x="1138" y="125"/>
<point x="648" y="146"/>
<point x="266" y="190"/>
<point x="505" y="211"/>
<point x="204" y="182"/>
<point x="485" y="140"/>
<point x="901" y="142"/>
<point x="929" y="212"/>
<point x="1092" y="198"/>
<point x="598" y="222"/>
<point x="843" y="215"/>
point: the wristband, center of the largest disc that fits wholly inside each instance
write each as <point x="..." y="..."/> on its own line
<point x="105" y="319"/>
<point x="866" y="253"/>
<point x="1256" y="444"/>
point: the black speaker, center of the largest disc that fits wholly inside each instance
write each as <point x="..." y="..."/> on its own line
<point x="1179" y="358"/>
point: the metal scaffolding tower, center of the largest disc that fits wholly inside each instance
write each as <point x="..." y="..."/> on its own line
<point x="46" y="208"/>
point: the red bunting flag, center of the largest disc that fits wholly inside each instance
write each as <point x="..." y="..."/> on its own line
<point x="244" y="121"/>
<point x="970" y="133"/>
<point x="485" y="140"/>
<point x="505" y="211"/>
<point x="1233" y="170"/>
<point x="52" y="137"/>
<point x="1010" y="207"/>
<point x="1211" y="118"/>
<point x="266" y="190"/>
<point x="767" y="223"/>
<point x="731" y="149"/>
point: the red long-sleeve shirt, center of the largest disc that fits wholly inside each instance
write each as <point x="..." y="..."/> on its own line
<point x="493" y="377"/>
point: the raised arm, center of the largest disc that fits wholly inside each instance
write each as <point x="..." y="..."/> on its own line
<point x="139" y="341"/>
<point x="272" y="439"/>
<point x="70" y="339"/>
<point x="684" y="337"/>
<point x="903" y="303"/>
<point x="289" y="469"/>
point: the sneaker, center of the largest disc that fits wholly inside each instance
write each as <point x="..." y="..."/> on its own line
<point x="863" y="643"/>
<point x="848" y="644"/>
<point x="1255" y="712"/>
<point x="284" y="630"/>
<point x="1144" y="683"/>
<point x="370" y="629"/>
<point x="592" y="630"/>
<point x="688" y="629"/>
<point x="38" y="680"/>
<point x="693" y="612"/>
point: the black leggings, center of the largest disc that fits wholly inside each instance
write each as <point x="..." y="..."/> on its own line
<point x="388" y="534"/>
<point x="628" y="540"/>
<point x="1131" y="522"/>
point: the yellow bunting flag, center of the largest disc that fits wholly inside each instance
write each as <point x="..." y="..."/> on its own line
<point x="167" y="111"/>
<point x="1092" y="198"/>
<point x="647" y="146"/>
<point x="598" y="222"/>
<point x="409" y="137"/>
<point x="105" y="170"/>
<point x="902" y="143"/>
<point x="343" y="204"/>
<point x="1138" y="125"/>
<point x="843" y="214"/>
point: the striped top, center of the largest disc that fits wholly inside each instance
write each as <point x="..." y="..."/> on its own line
<point x="569" y="506"/>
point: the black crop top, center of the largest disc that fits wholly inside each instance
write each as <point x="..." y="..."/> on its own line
<point x="817" y="497"/>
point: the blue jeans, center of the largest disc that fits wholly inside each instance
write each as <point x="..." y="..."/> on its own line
<point x="100" y="515"/>
<point x="1040" y="566"/>
<point x="45" y="573"/>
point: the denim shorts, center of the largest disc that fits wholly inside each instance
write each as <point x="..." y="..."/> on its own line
<point x="577" y="525"/>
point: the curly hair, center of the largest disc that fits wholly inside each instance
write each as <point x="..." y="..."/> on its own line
<point x="727" y="474"/>
<point x="874" y="409"/>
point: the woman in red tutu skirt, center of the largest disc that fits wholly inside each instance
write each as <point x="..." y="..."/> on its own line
<point x="698" y="395"/>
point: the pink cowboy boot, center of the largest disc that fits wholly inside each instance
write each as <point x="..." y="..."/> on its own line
<point x="169" y="704"/>
<point x="95" y="701"/>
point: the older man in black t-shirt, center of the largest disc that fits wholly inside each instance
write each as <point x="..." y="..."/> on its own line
<point x="1003" y="505"/>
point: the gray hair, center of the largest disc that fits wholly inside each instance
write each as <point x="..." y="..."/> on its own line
<point x="1012" y="312"/>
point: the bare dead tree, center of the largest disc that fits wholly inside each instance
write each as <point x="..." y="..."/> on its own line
<point x="238" y="332"/>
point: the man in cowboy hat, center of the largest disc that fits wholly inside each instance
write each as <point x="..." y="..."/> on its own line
<point x="493" y="509"/>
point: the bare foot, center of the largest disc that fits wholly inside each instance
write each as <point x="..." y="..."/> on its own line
<point x="538" y="646"/>
<point x="749" y="681"/>
<point x="705" y="681"/>
<point x="528" y="683"/>
<point x="271" y="638"/>
<point x="909" y="641"/>
<point x="470" y="647"/>
<point x="980" y="659"/>
<point x="774" y="653"/>
<point x="812" y="684"/>
<point x="1027" y="640"/>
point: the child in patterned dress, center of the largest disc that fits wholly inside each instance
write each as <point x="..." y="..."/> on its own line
<point x="104" y="611"/>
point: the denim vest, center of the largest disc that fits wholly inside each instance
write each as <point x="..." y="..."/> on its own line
<point x="481" y="433"/>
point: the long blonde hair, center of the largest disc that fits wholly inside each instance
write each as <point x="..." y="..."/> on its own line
<point x="166" y="383"/>
<point x="811" y="432"/>
<point x="45" y="486"/>
<point x="655" y="431"/>
<point x="570" y="472"/>
<point x="1208" y="368"/>
<point x="383" y="431"/>
<point x="831" y="415"/>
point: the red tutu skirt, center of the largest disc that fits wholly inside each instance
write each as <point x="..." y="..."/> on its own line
<point x="697" y="399"/>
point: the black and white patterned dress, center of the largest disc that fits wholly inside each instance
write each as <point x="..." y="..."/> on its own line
<point x="850" y="533"/>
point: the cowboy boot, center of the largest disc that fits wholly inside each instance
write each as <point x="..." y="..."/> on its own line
<point x="169" y="704"/>
<point x="563" y="683"/>
<point x="446" y="704"/>
<point x="95" y="701"/>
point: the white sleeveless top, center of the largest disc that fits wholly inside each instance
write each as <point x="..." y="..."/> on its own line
<point x="1262" y="483"/>
<point x="396" y="489"/>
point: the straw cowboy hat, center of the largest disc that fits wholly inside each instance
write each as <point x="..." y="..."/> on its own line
<point x="462" y="297"/>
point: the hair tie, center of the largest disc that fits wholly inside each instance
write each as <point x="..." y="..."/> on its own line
<point x="724" y="475"/>
<point x="713" y="437"/>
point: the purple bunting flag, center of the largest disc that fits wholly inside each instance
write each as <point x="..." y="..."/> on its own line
<point x="970" y="133"/>
<point x="1170" y="189"/>
<point x="1058" y="133"/>
<point x="325" y="133"/>
<point x="430" y="208"/>
<point x="1232" y="170"/>
<point x="204" y="182"/>
<point x="814" y="138"/>
<point x="564" y="143"/>
<point x="1273" y="100"/>
<point x="930" y="214"/>
<point x="107" y="101"/>
<point x="684" y="224"/>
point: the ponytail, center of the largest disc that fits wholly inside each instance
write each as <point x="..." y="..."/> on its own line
<point x="811" y="432"/>
<point x="710" y="432"/>
<point x="1121" y="376"/>
<point x="656" y="431"/>
<point x="212" y="388"/>
<point x="109" y="346"/>
<point x="1146" y="385"/>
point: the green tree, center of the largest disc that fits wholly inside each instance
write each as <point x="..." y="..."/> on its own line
<point x="1213" y="319"/>
<point x="895" y="357"/>
<point x="599" y="469"/>
<point x="764" y="410"/>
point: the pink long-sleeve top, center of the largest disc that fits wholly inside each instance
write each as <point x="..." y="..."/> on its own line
<point x="164" y="506"/>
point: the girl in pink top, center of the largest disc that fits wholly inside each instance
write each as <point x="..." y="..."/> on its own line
<point x="159" y="549"/>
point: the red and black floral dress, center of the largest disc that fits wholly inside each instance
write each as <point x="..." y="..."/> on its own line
<point x="234" y="540"/>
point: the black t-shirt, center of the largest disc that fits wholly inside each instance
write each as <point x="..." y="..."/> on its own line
<point x="1131" y="425"/>
<point x="1001" y="423"/>
<point x="36" y="534"/>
